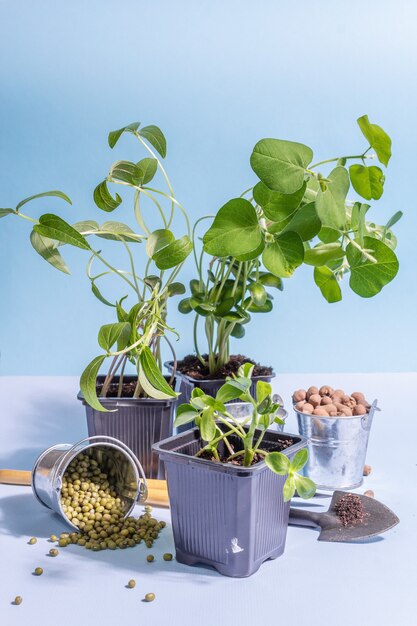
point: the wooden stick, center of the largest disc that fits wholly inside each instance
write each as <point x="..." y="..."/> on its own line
<point x="157" y="489"/>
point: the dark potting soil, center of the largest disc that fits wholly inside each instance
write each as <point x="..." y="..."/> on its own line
<point x="127" y="392"/>
<point x="349" y="510"/>
<point x="278" y="446"/>
<point x="191" y="366"/>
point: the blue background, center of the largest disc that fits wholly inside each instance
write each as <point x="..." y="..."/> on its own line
<point x="215" y="76"/>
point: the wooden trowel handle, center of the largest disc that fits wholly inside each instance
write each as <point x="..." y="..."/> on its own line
<point x="157" y="489"/>
<point x="15" y="477"/>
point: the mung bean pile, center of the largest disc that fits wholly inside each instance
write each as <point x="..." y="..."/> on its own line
<point x="92" y="498"/>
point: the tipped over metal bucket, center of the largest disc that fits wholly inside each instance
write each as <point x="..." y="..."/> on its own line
<point x="336" y="448"/>
<point x="112" y="455"/>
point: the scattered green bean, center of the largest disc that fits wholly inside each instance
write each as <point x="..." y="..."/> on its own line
<point x="150" y="558"/>
<point x="150" y="597"/>
<point x="38" y="571"/>
<point x="167" y="556"/>
<point x="32" y="541"/>
<point x="53" y="538"/>
<point x="18" y="600"/>
<point x="53" y="552"/>
<point x="131" y="583"/>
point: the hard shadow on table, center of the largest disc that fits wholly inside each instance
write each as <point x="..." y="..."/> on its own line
<point x="23" y="517"/>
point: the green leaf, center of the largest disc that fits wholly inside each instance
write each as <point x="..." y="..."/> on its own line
<point x="278" y="463"/>
<point x="305" y="222"/>
<point x="208" y="424"/>
<point x="377" y="138"/>
<point x="258" y="293"/>
<point x="306" y="488"/>
<point x="88" y="382"/>
<point x="367" y="278"/>
<point x="184" y="306"/>
<point x="235" y="230"/>
<point x="266" y="307"/>
<point x="323" y="253"/>
<point x="147" y="168"/>
<point x="299" y="460"/>
<point x="245" y="371"/>
<point x="284" y="255"/>
<point x="46" y="248"/>
<point x="54" y="227"/>
<point x="327" y="283"/>
<point x="238" y="331"/>
<point x="114" y="135"/>
<point x="224" y="307"/>
<point x="281" y="165"/>
<point x="96" y="291"/>
<point x="173" y="254"/>
<point x="54" y="194"/>
<point x="263" y="390"/>
<point x="103" y="198"/>
<point x="156" y="138"/>
<point x="269" y="280"/>
<point x="184" y="415"/>
<point x="110" y="333"/>
<point x="151" y="378"/>
<point x="253" y="254"/>
<point x="393" y="220"/>
<point x="328" y="235"/>
<point x="289" y="488"/>
<point x="233" y="389"/>
<point x="122" y="315"/>
<point x="330" y="204"/>
<point x="117" y="231"/>
<point x="4" y="212"/>
<point x="86" y="227"/>
<point x="277" y="206"/>
<point x="176" y="289"/>
<point x="368" y="182"/>
<point x="157" y="240"/>
<point x="127" y="172"/>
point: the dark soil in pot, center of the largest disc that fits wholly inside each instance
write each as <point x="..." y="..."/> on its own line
<point x="128" y="388"/>
<point x="191" y="366"/>
<point x="236" y="446"/>
<point x="198" y="376"/>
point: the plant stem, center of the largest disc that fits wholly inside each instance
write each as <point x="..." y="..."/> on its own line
<point x="354" y="156"/>
<point x="158" y="206"/>
<point x="113" y="269"/>
<point x="122" y="372"/>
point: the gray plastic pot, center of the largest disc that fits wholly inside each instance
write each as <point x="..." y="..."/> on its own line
<point x="230" y="517"/>
<point x="137" y="422"/>
<point x="210" y="387"/>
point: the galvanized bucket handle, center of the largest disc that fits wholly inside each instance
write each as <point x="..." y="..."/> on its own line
<point x="143" y="485"/>
<point x="366" y="420"/>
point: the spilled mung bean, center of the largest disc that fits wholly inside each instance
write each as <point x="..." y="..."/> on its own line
<point x="92" y="498"/>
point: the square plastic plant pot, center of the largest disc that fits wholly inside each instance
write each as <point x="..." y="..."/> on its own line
<point x="137" y="422"/>
<point x="230" y="517"/>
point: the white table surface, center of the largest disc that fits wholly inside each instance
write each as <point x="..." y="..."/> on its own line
<point x="369" y="584"/>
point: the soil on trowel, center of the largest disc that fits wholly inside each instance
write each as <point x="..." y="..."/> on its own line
<point x="349" y="510"/>
<point x="191" y="366"/>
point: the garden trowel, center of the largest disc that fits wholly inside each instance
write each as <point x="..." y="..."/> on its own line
<point x="377" y="519"/>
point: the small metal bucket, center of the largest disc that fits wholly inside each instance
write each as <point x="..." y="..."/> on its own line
<point x="337" y="448"/>
<point x="112" y="455"/>
<point x="242" y="411"/>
